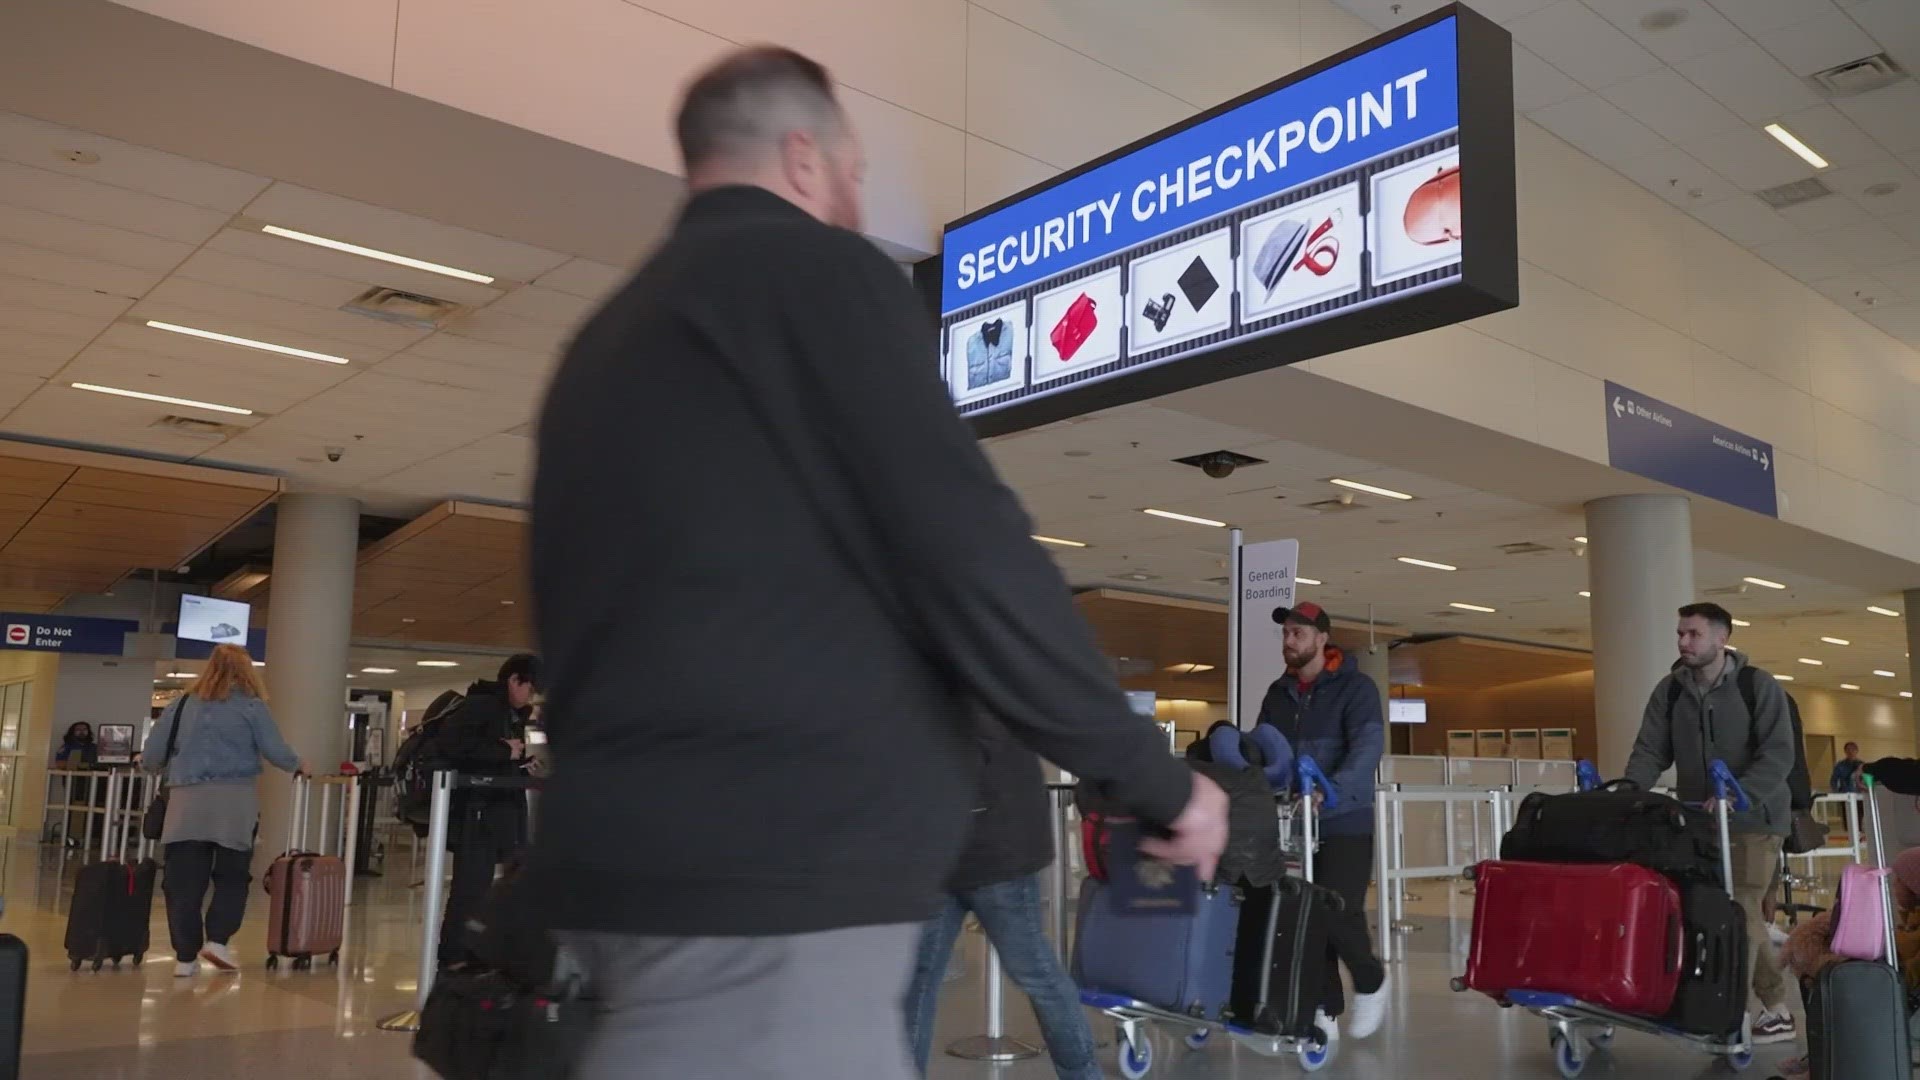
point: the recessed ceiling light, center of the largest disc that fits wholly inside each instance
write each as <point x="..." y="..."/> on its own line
<point x="1308" y="581"/>
<point x="1783" y="678"/>
<point x="351" y="675"/>
<point x="437" y="663"/>
<point x="248" y="343"/>
<point x="376" y="253"/>
<point x="1385" y="493"/>
<point x="1836" y="641"/>
<point x="408" y="620"/>
<point x="1411" y="561"/>
<point x="1848" y="686"/>
<point x="1888" y="612"/>
<point x="378" y="671"/>
<point x="1802" y="150"/>
<point x="1579" y="539"/>
<point x="1057" y="542"/>
<point x="1812" y="662"/>
<point x="259" y="663"/>
<point x="1763" y="583"/>
<point x="186" y="403"/>
<point x="1189" y="669"/>
<point x="179" y="674"/>
<point x="1741" y="622"/>
<point x="1188" y="518"/>
<point x="1585" y="595"/>
<point x="1475" y="607"/>
<point x="1884" y="673"/>
<point x="508" y="603"/>
<point x="1906" y="693"/>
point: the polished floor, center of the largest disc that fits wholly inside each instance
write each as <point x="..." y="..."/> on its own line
<point x="142" y="1024"/>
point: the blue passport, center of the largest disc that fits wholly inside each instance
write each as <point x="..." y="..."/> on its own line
<point x="1139" y="885"/>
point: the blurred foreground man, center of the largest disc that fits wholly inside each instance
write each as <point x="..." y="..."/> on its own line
<point x="773" y="574"/>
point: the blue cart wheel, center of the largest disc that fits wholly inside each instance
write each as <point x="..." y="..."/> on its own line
<point x="1198" y="1039"/>
<point x="1566" y="1056"/>
<point x="1135" y="1063"/>
<point x="1314" y="1056"/>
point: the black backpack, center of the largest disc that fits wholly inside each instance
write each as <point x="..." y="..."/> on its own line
<point x="419" y="757"/>
<point x="1799" y="782"/>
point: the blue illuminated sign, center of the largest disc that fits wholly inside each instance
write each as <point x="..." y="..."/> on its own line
<point x="1650" y="438"/>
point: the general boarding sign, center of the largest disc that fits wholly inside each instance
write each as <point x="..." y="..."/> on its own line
<point x="1364" y="198"/>
<point x="1650" y="438"/>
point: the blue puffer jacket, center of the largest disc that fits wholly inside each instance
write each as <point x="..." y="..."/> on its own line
<point x="219" y="740"/>
<point x="1338" y="723"/>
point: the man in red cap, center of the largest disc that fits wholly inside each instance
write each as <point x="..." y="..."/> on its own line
<point x="1331" y="712"/>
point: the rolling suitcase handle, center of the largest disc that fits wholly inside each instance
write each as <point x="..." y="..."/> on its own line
<point x="1728" y="796"/>
<point x="1586" y="775"/>
<point x="1880" y="860"/>
<point x="1307" y="773"/>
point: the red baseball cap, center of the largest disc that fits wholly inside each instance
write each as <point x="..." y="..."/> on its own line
<point x="1305" y="613"/>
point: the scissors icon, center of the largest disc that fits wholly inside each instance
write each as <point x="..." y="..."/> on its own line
<point x="1321" y="252"/>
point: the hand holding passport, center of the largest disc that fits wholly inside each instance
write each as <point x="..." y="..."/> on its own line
<point x="1143" y="885"/>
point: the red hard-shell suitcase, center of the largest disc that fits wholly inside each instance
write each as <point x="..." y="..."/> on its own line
<point x="1607" y="934"/>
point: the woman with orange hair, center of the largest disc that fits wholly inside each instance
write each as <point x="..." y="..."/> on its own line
<point x="209" y="743"/>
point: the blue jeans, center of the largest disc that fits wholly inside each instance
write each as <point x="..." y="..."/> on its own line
<point x="1010" y="914"/>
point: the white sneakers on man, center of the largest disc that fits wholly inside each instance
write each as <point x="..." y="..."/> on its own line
<point x="1328" y="1026"/>
<point x="1368" y="1013"/>
<point x="186" y="969"/>
<point x="219" y="956"/>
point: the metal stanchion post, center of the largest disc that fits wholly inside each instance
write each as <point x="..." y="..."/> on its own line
<point x="351" y="848"/>
<point x="1383" y="854"/>
<point x="1062" y="873"/>
<point x="996" y="1045"/>
<point x="433" y="897"/>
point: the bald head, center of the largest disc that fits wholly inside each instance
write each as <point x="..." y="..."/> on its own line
<point x="767" y="116"/>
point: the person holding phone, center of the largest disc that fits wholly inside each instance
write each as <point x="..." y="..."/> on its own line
<point x="486" y="735"/>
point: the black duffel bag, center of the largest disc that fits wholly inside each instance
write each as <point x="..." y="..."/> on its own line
<point x="1617" y="823"/>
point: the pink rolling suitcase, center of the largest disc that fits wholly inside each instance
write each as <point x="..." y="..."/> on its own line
<point x="307" y="894"/>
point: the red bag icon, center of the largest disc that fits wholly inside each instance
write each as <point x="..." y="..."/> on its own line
<point x="1074" y="327"/>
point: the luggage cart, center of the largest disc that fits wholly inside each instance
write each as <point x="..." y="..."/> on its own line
<point x="1578" y="1029"/>
<point x="1133" y="1020"/>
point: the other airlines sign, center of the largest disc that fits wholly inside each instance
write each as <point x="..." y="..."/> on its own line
<point x="1364" y="198"/>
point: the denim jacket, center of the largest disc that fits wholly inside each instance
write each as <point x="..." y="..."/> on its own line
<point x="219" y="740"/>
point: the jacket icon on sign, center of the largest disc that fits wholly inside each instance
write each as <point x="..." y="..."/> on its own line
<point x="1074" y="327"/>
<point x="1159" y="311"/>
<point x="1433" y="210"/>
<point x="989" y="354"/>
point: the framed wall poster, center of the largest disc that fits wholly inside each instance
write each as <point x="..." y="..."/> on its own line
<point x="114" y="743"/>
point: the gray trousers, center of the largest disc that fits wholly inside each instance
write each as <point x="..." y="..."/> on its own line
<point x="794" y="1007"/>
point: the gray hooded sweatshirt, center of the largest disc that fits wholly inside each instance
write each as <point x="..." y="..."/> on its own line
<point x="1715" y="723"/>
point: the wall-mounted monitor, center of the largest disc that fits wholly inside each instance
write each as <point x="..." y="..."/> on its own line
<point x="1407" y="711"/>
<point x="211" y="619"/>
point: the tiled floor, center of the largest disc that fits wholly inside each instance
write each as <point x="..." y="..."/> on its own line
<point x="142" y="1024"/>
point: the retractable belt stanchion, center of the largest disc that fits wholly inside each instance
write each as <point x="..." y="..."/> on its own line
<point x="433" y="899"/>
<point x="996" y="1045"/>
<point x="1063" y="904"/>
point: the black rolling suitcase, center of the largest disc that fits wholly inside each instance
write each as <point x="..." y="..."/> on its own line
<point x="13" y="1003"/>
<point x="1714" y="963"/>
<point x="1857" y="1009"/>
<point x="1280" y="971"/>
<point x="113" y="898"/>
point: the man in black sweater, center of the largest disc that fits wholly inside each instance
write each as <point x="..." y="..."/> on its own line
<point x="485" y="735"/>
<point x="773" y="574"/>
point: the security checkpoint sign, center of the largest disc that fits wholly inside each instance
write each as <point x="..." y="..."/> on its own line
<point x="62" y="633"/>
<point x="1650" y="438"/>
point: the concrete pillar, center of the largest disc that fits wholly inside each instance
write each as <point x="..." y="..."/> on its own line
<point x="309" y="624"/>
<point x="1373" y="664"/>
<point x="1913" y="662"/>
<point x="1640" y="571"/>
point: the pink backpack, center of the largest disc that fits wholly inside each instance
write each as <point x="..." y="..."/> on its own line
<point x="1859" y="930"/>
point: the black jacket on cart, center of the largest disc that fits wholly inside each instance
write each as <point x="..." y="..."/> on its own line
<point x="1010" y="833"/>
<point x="474" y="742"/>
<point x="774" y="576"/>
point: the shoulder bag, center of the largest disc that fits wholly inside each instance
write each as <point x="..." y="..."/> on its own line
<point x="155" y="821"/>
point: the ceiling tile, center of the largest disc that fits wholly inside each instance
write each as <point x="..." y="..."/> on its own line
<point x="1903" y="199"/>
<point x="1818" y="44"/>
<point x="1748" y="80"/>
<point x="104" y="204"/>
<point x="1755" y="16"/>
<point x="1674" y="107"/>
<point x="1537" y="84"/>
<point x="1676" y="177"/>
<point x="41" y="145"/>
<point x="1903" y="279"/>
<point x="1702" y="29"/>
<point x="1902" y="321"/>
<point x="1857" y="292"/>
<point x="1895" y="24"/>
<point x="1571" y="37"/>
<point x="1594" y="125"/>
<point x="584" y="277"/>
<point x="1872" y="245"/>
<point x="1808" y="258"/>
<point x="68" y="236"/>
<point x="1834" y="211"/>
<point x="1751" y="159"/>
<point x="1890" y="114"/>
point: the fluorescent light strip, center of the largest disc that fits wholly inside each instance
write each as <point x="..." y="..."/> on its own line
<point x="378" y="671"/>
<point x="1906" y="693"/>
<point x="1385" y="493"/>
<point x="1888" y="612"/>
<point x="1848" y="686"/>
<point x="1482" y="609"/>
<point x="1411" y="561"/>
<point x="1579" y="539"/>
<point x="1585" y="595"/>
<point x="1189" y="519"/>
<point x="1308" y="581"/>
<point x="376" y="253"/>
<point x="248" y="343"/>
<point x="1783" y="678"/>
<point x="1811" y="662"/>
<point x="436" y="663"/>
<point x="1057" y="542"/>
<point x="1801" y="150"/>
<point x="1763" y="583"/>
<point x="1741" y="622"/>
<point x="188" y="403"/>
<point x="1836" y="641"/>
<point x="1884" y="673"/>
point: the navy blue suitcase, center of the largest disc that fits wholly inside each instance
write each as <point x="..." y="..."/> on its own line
<point x="1179" y="962"/>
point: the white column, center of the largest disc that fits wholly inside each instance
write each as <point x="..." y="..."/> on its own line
<point x="1373" y="664"/>
<point x="309" y="625"/>
<point x="1913" y="663"/>
<point x="1640" y="571"/>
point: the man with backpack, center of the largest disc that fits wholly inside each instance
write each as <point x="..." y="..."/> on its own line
<point x="1717" y="706"/>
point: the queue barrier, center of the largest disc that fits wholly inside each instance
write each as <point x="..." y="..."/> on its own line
<point x="1490" y="813"/>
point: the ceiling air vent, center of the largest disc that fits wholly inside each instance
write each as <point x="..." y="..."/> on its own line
<point x="1524" y="548"/>
<point x="1800" y="191"/>
<point x="402" y="308"/>
<point x="1858" y="76"/>
<point x="197" y="427"/>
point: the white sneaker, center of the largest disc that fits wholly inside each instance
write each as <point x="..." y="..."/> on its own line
<point x="1328" y="1026"/>
<point x="219" y="956"/>
<point x="1369" y="1012"/>
<point x="186" y="970"/>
